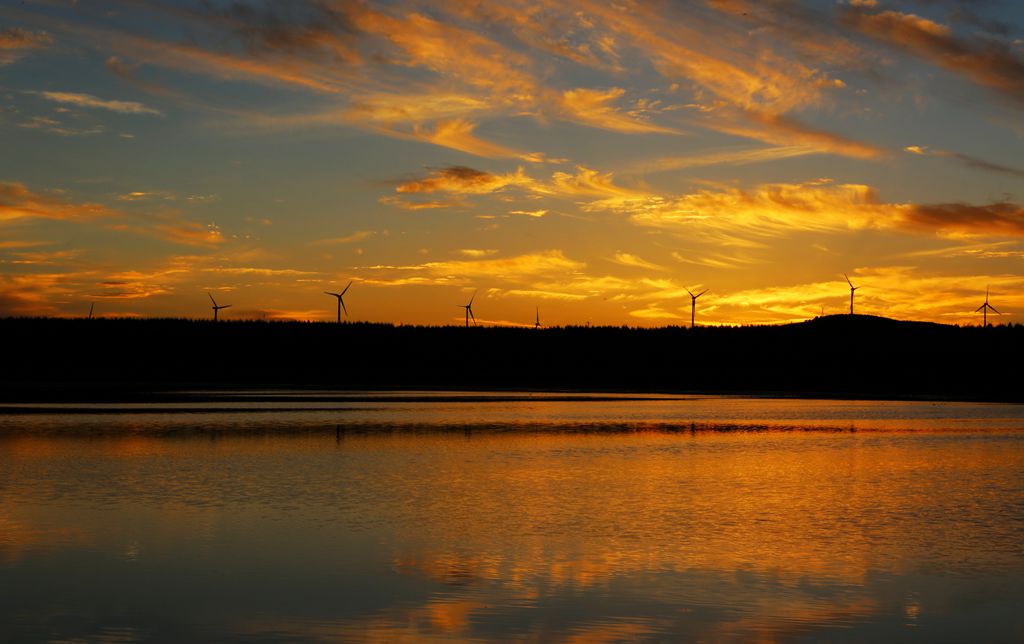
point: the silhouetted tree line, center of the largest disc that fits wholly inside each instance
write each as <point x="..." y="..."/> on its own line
<point x="829" y="356"/>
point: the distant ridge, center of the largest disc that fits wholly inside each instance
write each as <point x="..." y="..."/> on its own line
<point x="836" y="355"/>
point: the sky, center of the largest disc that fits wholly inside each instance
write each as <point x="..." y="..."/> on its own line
<point x="587" y="160"/>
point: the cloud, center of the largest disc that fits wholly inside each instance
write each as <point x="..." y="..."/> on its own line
<point x="780" y="129"/>
<point x="54" y="126"/>
<point x="985" y="61"/>
<point x="477" y="253"/>
<point x="90" y="101"/>
<point x="999" y="218"/>
<point x="901" y="292"/>
<point x="588" y="182"/>
<point x="15" y="41"/>
<point x="628" y="259"/>
<point x="31" y="294"/>
<point x="18" y="202"/>
<point x="732" y="157"/>
<point x="189" y="233"/>
<point x="358" y="236"/>
<point x="127" y="73"/>
<point x="258" y="271"/>
<point x="457" y="134"/>
<point x="464" y="181"/>
<point x="518" y="267"/>
<point x="966" y="159"/>
<point x="777" y="209"/>
<point x="593" y="107"/>
<point x="419" y="204"/>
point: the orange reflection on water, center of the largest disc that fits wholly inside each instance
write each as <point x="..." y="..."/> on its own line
<point x="721" y="535"/>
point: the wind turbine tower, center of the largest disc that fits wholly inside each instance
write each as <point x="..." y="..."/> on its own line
<point x="217" y="307"/>
<point x="469" y="310"/>
<point x="341" y="301"/>
<point x="852" y="289"/>
<point x="536" y="324"/>
<point x="984" y="308"/>
<point x="693" y="304"/>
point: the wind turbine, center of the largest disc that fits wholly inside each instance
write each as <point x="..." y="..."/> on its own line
<point x="984" y="308"/>
<point x="536" y="324"/>
<point x="693" y="303"/>
<point x="91" y="306"/>
<point x="852" y="289"/>
<point x="469" y="310"/>
<point x="217" y="307"/>
<point x="341" y="302"/>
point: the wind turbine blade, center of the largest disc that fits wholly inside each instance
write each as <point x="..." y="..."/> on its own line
<point x="474" y="297"/>
<point x="342" y="302"/>
<point x="471" y="315"/>
<point x="226" y="306"/>
<point x="981" y="307"/>
<point x="211" y="299"/>
<point x="346" y="288"/>
<point x="993" y="309"/>
<point x="848" y="280"/>
<point x="329" y="293"/>
<point x="703" y="292"/>
<point x="688" y="291"/>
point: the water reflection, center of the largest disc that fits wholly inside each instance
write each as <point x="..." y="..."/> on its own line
<point x="224" y="527"/>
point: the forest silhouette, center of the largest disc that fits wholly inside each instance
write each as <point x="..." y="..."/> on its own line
<point x="840" y="355"/>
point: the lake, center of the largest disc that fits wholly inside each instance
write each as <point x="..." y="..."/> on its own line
<point x="323" y="516"/>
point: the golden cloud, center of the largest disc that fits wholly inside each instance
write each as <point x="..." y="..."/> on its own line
<point x="628" y="259"/>
<point x="464" y="181"/>
<point x="18" y="202"/>
<point x="594" y="108"/>
<point x="457" y="134"/>
<point x="518" y="267"/>
<point x="902" y="292"/>
<point x="730" y="157"/>
<point x="358" y="236"/>
<point x="821" y="205"/>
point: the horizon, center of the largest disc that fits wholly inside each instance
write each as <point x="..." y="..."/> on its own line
<point x="527" y="326"/>
<point x="598" y="162"/>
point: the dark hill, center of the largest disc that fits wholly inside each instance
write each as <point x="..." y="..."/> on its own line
<point x="830" y="356"/>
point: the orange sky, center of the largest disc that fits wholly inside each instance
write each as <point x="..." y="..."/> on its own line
<point x="590" y="160"/>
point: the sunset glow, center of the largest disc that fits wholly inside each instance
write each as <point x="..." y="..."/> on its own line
<point x="591" y="159"/>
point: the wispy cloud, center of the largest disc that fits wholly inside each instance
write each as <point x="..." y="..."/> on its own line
<point x="966" y="159"/>
<point x="18" y="202"/>
<point x="775" y="209"/>
<point x="595" y="108"/>
<point x="731" y="157"/>
<point x="633" y="261"/>
<point x="985" y="61"/>
<point x="358" y="236"/>
<point x="54" y="126"/>
<point x="547" y="263"/>
<point x="90" y="101"/>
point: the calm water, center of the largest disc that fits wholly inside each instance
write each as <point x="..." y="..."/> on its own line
<point x="390" y="517"/>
